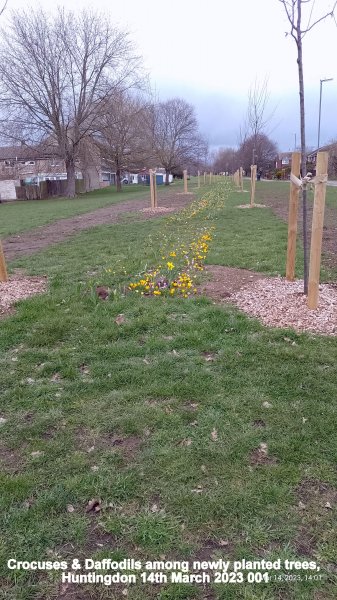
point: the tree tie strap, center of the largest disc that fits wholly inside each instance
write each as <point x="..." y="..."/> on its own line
<point x="308" y="179"/>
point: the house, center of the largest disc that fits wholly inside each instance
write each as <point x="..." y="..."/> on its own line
<point x="26" y="165"/>
<point x="283" y="160"/>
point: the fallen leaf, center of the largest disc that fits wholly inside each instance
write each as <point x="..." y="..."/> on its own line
<point x="328" y="505"/>
<point x="91" y="449"/>
<point x="125" y="592"/>
<point x="304" y="420"/>
<point x="15" y="359"/>
<point x="154" y="508"/>
<point x="301" y="505"/>
<point x="94" y="468"/>
<point x="266" y="405"/>
<point x="214" y="435"/>
<point x="263" y="448"/>
<point x="56" y="377"/>
<point x="70" y="508"/>
<point x="36" y="453"/>
<point x="203" y="468"/>
<point x="30" y="380"/>
<point x="102" y="292"/>
<point x="84" y="369"/>
<point x="93" y="505"/>
<point x="209" y="356"/>
<point x="146" y="361"/>
<point x="186" y="442"/>
<point x="120" y="319"/>
<point x="223" y="542"/>
<point x="3" y="420"/>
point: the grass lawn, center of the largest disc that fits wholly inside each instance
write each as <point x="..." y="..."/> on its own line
<point x="21" y="216"/>
<point x="134" y="414"/>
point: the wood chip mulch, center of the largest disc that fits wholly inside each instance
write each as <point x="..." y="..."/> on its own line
<point x="156" y="211"/>
<point x="18" y="289"/>
<point x="250" y="206"/>
<point x="280" y="303"/>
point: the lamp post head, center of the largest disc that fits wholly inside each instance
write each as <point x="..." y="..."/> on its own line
<point x="326" y="79"/>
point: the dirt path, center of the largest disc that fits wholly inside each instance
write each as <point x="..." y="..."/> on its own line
<point x="32" y="241"/>
<point x="278" y="201"/>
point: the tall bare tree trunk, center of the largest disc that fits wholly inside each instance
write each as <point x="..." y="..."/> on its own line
<point x="167" y="177"/>
<point x="71" y="186"/>
<point x="303" y="145"/>
<point x="118" y="179"/>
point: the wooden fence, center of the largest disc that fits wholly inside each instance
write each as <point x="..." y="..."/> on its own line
<point x="47" y="189"/>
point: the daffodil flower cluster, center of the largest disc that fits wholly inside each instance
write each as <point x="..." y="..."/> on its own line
<point x="176" y="274"/>
<point x="178" y="277"/>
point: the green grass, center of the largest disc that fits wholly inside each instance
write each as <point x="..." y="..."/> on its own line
<point x="73" y="382"/>
<point x="20" y="216"/>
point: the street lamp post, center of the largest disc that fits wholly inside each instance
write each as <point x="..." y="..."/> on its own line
<point x="321" y="81"/>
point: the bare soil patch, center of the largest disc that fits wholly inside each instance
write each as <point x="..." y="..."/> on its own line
<point x="18" y="288"/>
<point x="260" y="456"/>
<point x="32" y="241"/>
<point x="226" y="281"/>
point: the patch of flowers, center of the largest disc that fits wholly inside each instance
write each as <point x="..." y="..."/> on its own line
<point x="181" y="248"/>
<point x="177" y="273"/>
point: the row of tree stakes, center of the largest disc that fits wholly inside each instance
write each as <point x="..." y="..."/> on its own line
<point x="295" y="185"/>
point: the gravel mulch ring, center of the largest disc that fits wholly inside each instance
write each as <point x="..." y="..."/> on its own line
<point x="19" y="288"/>
<point x="280" y="303"/>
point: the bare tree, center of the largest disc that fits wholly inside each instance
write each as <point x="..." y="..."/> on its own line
<point x="264" y="149"/>
<point x="257" y="117"/>
<point x="122" y="135"/>
<point x="57" y="73"/>
<point x="176" y="140"/>
<point x="225" y="160"/>
<point x="294" y="12"/>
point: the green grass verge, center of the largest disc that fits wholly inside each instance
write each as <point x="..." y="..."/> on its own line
<point x="125" y="413"/>
<point x="20" y="216"/>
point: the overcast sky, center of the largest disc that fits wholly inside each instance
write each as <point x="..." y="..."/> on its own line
<point x="210" y="52"/>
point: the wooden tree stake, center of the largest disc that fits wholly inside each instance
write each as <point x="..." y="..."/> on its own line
<point x="317" y="229"/>
<point x="292" y="218"/>
<point x="3" y="269"/>
<point x="155" y="190"/>
<point x="185" y="181"/>
<point x="204" y="177"/>
<point x="152" y="192"/>
<point x="241" y="179"/>
<point x="198" y="179"/>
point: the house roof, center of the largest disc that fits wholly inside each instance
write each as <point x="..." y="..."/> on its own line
<point x="21" y="152"/>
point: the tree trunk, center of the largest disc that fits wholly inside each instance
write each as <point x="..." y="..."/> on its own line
<point x="118" y="180"/>
<point x="71" y="187"/>
<point x="303" y="145"/>
<point x="167" y="179"/>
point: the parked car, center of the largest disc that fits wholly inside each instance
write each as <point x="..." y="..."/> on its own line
<point x="125" y="180"/>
